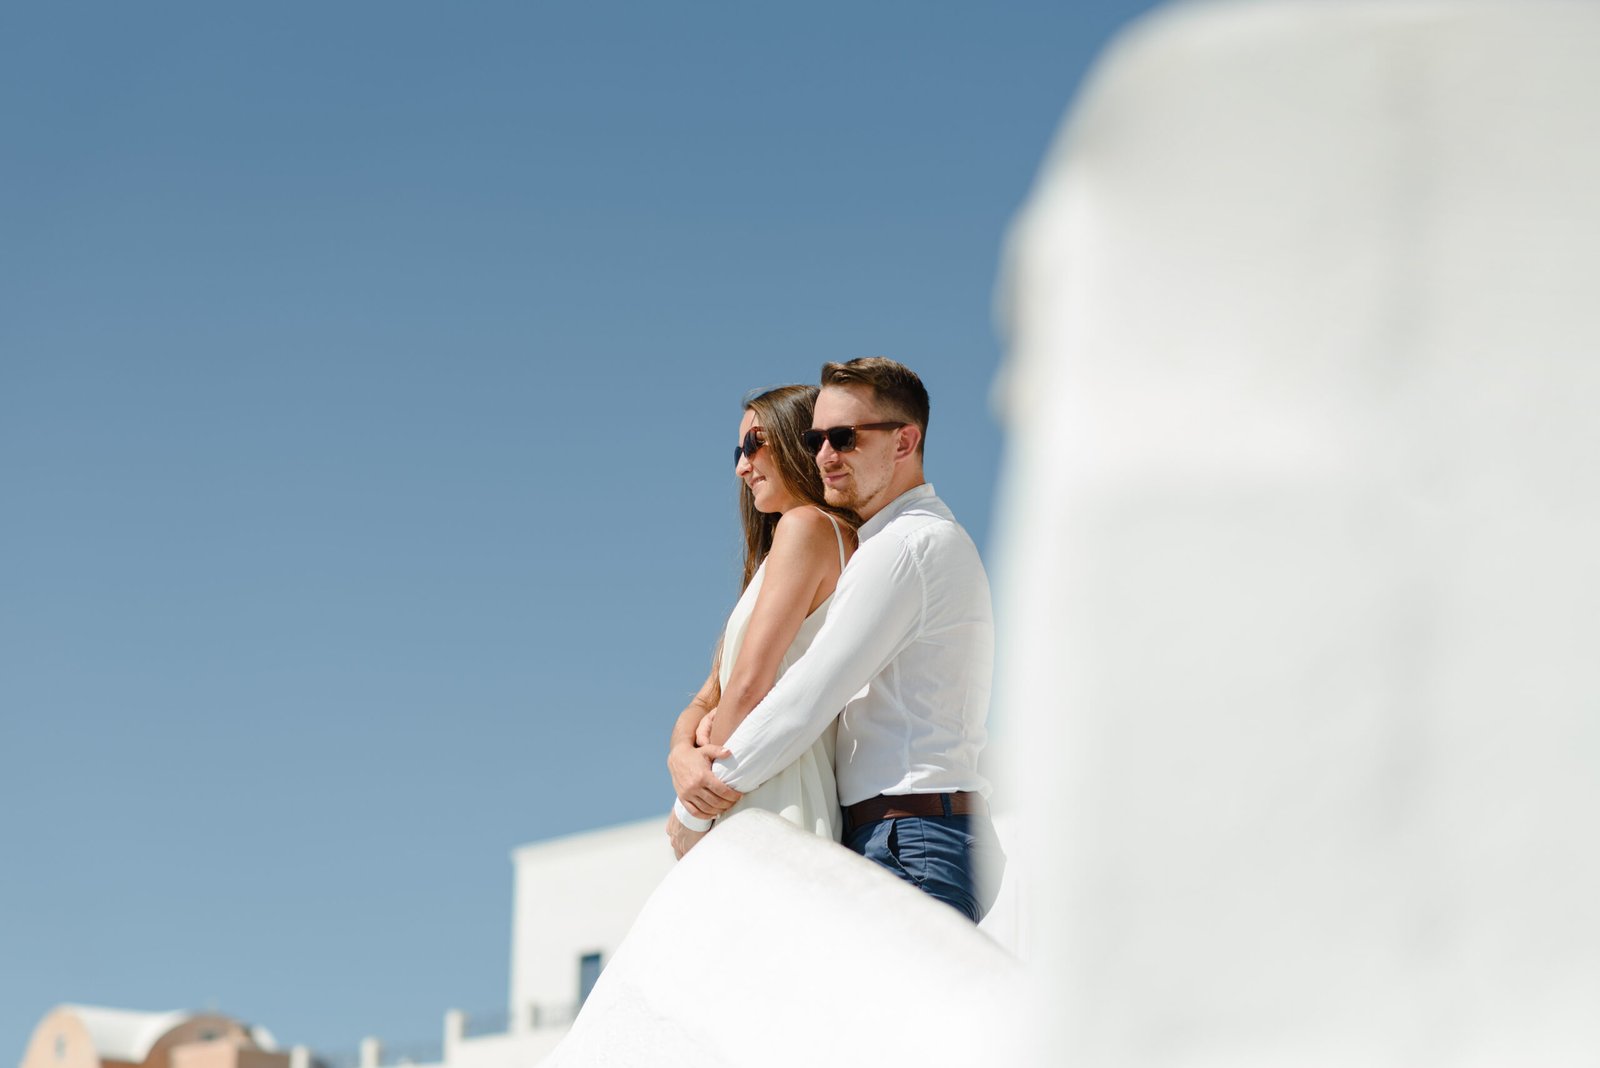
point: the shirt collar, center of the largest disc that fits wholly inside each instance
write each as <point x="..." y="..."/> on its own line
<point x="895" y="507"/>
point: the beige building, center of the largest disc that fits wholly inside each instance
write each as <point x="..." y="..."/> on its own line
<point x="83" y="1036"/>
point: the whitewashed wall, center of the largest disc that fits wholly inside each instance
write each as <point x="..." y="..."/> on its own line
<point x="770" y="946"/>
<point x="1300" y="599"/>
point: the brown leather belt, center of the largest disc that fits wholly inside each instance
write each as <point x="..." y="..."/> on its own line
<point x="900" y="806"/>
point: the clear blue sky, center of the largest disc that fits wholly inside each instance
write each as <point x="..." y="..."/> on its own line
<point x="368" y="377"/>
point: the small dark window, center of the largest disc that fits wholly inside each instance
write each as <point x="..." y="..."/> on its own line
<point x="588" y="973"/>
<point x="61" y="1047"/>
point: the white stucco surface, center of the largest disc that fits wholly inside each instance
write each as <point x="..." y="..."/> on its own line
<point x="768" y="945"/>
<point x="1298" y="600"/>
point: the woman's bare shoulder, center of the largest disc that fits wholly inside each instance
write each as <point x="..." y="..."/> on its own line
<point x="805" y="529"/>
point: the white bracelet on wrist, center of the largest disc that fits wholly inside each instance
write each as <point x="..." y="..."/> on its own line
<point x="689" y="819"/>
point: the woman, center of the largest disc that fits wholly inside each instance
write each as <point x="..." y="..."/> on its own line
<point x="796" y="545"/>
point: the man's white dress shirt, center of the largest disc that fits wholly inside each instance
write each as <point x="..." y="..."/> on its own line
<point x="906" y="652"/>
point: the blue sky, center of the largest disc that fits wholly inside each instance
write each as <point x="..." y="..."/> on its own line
<point x="368" y="374"/>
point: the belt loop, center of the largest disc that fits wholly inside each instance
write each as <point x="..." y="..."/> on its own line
<point x="944" y="802"/>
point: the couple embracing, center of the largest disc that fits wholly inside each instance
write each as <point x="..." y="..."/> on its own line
<point x="851" y="686"/>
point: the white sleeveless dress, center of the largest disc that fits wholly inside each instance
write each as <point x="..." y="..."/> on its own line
<point x="804" y="793"/>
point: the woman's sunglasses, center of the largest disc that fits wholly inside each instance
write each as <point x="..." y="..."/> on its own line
<point x="842" y="438"/>
<point x="754" y="438"/>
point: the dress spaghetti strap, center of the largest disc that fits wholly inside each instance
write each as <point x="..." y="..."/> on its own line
<point x="838" y="535"/>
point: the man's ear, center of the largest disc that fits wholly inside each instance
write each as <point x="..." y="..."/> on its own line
<point x="906" y="440"/>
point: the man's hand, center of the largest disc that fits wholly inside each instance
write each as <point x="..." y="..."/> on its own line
<point x="681" y="837"/>
<point x="701" y="792"/>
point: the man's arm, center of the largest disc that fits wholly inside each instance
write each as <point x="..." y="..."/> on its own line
<point x="876" y="611"/>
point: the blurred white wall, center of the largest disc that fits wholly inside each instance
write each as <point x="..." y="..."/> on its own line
<point x="1299" y="598"/>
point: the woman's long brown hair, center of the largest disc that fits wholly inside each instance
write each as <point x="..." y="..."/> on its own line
<point x="783" y="414"/>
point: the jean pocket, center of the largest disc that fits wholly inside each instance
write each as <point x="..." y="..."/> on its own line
<point x="909" y="847"/>
<point x="878" y="847"/>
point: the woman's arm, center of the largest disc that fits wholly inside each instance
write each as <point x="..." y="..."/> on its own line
<point x="802" y="569"/>
<point x="700" y="706"/>
<point x="699" y="790"/>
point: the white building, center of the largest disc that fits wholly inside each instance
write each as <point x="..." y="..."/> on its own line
<point x="574" y="899"/>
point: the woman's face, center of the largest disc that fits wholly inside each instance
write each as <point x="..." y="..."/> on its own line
<point x="760" y="472"/>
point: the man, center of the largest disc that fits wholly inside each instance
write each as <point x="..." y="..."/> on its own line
<point x="906" y="651"/>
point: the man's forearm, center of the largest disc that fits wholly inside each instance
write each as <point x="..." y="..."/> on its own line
<point x="874" y="611"/>
<point x="799" y="708"/>
<point x="792" y="716"/>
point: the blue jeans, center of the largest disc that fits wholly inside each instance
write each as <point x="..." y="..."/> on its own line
<point x="940" y="855"/>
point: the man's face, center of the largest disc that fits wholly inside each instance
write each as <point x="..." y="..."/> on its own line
<point x="858" y="479"/>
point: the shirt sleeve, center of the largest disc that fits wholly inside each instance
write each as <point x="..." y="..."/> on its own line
<point x="876" y="612"/>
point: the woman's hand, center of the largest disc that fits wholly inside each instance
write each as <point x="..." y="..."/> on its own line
<point x="702" y="733"/>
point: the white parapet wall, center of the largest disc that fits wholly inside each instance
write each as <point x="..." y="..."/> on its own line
<point x="1299" y="601"/>
<point x="768" y="945"/>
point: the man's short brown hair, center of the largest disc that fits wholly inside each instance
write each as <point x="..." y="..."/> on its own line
<point x="895" y="387"/>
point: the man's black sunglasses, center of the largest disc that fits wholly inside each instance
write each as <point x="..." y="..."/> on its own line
<point x="842" y="438"/>
<point x="754" y="438"/>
